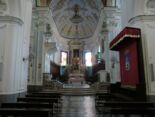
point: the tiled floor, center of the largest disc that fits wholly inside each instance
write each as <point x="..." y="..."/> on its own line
<point x="78" y="106"/>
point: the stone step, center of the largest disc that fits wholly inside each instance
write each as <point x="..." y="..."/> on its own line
<point x="77" y="91"/>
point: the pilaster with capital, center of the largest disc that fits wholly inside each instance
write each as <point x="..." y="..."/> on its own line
<point x="110" y="27"/>
<point x="38" y="29"/>
<point x="3" y="7"/>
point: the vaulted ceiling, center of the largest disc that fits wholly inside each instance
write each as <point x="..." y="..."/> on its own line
<point x="76" y="19"/>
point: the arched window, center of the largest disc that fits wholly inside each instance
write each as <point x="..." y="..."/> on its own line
<point x="64" y="58"/>
<point x="99" y="55"/>
<point x="88" y="59"/>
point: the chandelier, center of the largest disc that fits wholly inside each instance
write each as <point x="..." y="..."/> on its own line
<point x="76" y="17"/>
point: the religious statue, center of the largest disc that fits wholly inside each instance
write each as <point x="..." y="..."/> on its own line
<point x="76" y="62"/>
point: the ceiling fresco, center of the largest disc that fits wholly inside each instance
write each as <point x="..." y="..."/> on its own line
<point x="76" y="19"/>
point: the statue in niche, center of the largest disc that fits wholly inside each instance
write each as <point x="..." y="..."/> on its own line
<point x="76" y="61"/>
<point x="150" y="4"/>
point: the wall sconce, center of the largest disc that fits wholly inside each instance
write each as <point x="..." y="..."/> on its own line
<point x="29" y="58"/>
<point x="25" y="59"/>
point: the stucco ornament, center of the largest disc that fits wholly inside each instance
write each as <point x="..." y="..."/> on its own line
<point x="150" y="4"/>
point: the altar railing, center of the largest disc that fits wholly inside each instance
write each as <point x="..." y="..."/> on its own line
<point x="102" y="87"/>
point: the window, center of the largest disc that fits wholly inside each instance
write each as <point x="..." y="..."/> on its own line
<point x="63" y="58"/>
<point x="88" y="59"/>
<point x="99" y="55"/>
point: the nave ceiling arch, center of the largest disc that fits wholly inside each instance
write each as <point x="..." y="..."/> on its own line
<point x="76" y="19"/>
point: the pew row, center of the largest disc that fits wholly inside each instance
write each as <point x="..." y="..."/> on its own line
<point x="38" y="99"/>
<point x="128" y="111"/>
<point x="124" y="104"/>
<point x="6" y="112"/>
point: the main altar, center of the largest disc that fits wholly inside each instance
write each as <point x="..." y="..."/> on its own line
<point x="76" y="58"/>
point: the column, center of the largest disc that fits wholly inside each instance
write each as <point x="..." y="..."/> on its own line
<point x="14" y="35"/>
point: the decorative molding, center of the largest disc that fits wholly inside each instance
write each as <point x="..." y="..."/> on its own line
<point x="142" y="18"/>
<point x="122" y="38"/>
<point x="1" y="71"/>
<point x="150" y="4"/>
<point x="2" y="6"/>
<point x="2" y="26"/>
<point x="12" y="92"/>
<point x="11" y="19"/>
<point x="111" y="12"/>
<point x="150" y="26"/>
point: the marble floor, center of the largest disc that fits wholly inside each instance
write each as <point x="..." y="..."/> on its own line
<point x="78" y="106"/>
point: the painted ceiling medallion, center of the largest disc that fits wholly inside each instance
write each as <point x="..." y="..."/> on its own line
<point x="76" y="19"/>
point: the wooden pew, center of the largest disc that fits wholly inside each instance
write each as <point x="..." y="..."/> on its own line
<point x="57" y="102"/>
<point x="39" y="100"/>
<point x="4" y="112"/>
<point x="114" y="107"/>
<point x="51" y="106"/>
<point x="128" y="93"/>
<point x="102" y="96"/>
<point x="121" y="97"/>
<point x="43" y="96"/>
<point x="33" y="106"/>
<point x="27" y="105"/>
<point x="114" y="104"/>
<point x="129" y="111"/>
<point x="46" y="93"/>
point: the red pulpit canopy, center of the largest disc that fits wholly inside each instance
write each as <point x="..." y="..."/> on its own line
<point x="126" y="33"/>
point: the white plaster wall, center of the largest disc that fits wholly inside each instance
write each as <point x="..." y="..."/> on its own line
<point x="149" y="35"/>
<point x="47" y="64"/>
<point x="13" y="7"/>
<point x="127" y="11"/>
<point x="131" y="8"/>
<point x="147" y="31"/>
<point x="57" y="57"/>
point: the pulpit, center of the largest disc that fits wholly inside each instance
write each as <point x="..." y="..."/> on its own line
<point x="128" y="43"/>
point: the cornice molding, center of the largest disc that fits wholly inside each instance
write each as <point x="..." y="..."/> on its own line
<point x="111" y="11"/>
<point x="2" y="26"/>
<point x="142" y="18"/>
<point x="2" y="6"/>
<point x="11" y="19"/>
